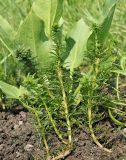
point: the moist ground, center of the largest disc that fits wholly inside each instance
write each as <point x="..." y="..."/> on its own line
<point x="19" y="141"/>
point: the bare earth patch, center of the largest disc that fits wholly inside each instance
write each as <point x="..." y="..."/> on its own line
<point x="18" y="140"/>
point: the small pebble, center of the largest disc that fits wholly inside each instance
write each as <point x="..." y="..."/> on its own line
<point x="16" y="126"/>
<point x="82" y="143"/>
<point x="1" y="130"/>
<point x="1" y="147"/>
<point x="28" y="147"/>
<point x="20" y="123"/>
<point x="23" y="115"/>
<point x="124" y="130"/>
<point x="18" y="154"/>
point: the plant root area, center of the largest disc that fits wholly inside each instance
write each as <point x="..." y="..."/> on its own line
<point x="20" y="141"/>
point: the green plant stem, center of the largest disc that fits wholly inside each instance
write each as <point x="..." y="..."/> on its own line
<point x="90" y="104"/>
<point x="46" y="85"/>
<point x="5" y="64"/>
<point x="53" y="122"/>
<point x="42" y="132"/>
<point x="91" y="127"/>
<point x="50" y="93"/>
<point x="119" y="111"/>
<point x="117" y="86"/>
<point x="34" y="111"/>
<point x="115" y="120"/>
<point x="65" y="104"/>
<point x="27" y="107"/>
<point x="118" y="103"/>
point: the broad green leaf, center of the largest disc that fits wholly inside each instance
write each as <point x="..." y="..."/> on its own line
<point x="106" y="23"/>
<point x="12" y="91"/>
<point x="22" y="92"/>
<point x="31" y="34"/>
<point x="7" y="33"/>
<point x="107" y="6"/>
<point x="102" y="24"/>
<point x="80" y="34"/>
<point x="49" y="11"/>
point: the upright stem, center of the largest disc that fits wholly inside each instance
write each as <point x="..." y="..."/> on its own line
<point x="117" y="86"/>
<point x="42" y="132"/>
<point x="53" y="122"/>
<point x="33" y="110"/>
<point x="90" y="103"/>
<point x="65" y="104"/>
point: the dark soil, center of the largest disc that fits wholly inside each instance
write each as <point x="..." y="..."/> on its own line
<point x="19" y="141"/>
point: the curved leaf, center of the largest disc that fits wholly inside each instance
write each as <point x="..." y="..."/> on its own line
<point x="102" y="24"/>
<point x="12" y="91"/>
<point x="31" y="34"/>
<point x="106" y="23"/>
<point x="80" y="34"/>
<point x="107" y="6"/>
